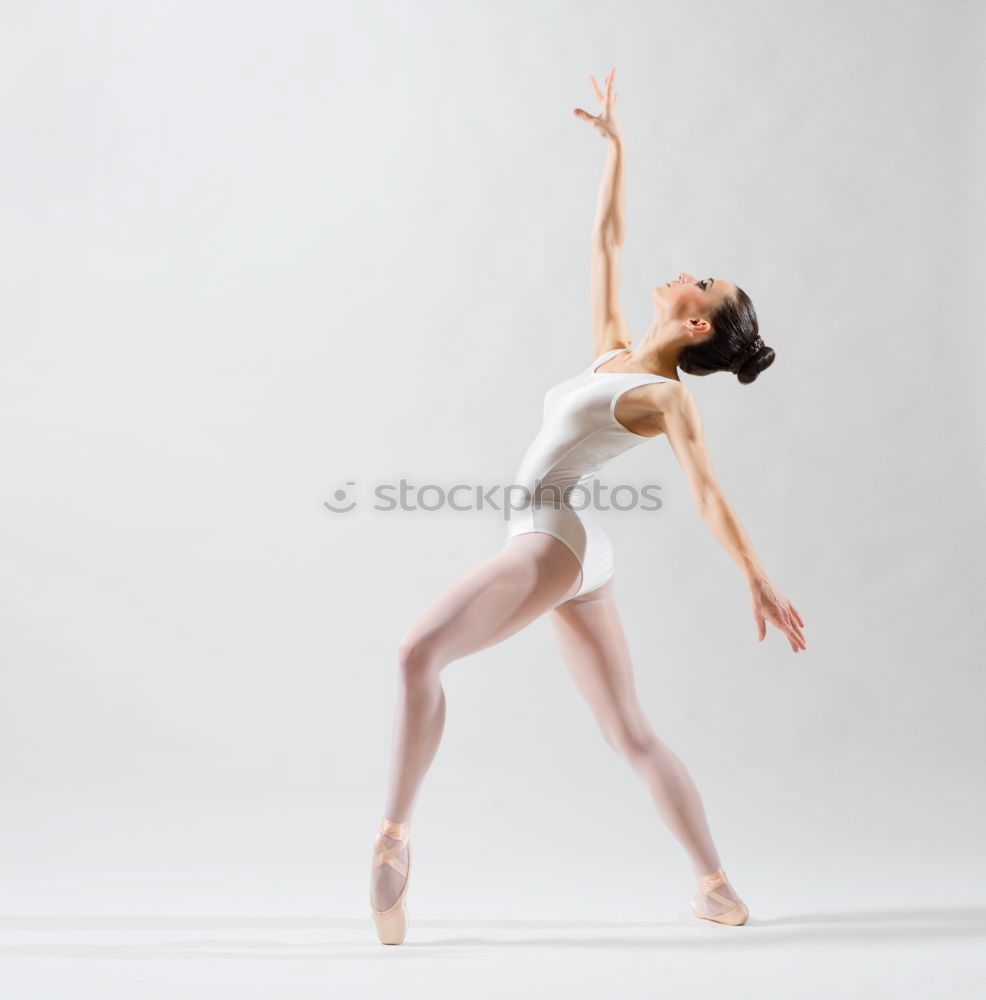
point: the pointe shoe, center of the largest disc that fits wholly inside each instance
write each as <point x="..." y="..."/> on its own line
<point x="391" y="924"/>
<point x="735" y="913"/>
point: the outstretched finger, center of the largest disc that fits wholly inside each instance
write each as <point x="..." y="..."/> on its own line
<point x="780" y="622"/>
<point x="584" y="115"/>
<point x="797" y="615"/>
<point x="797" y="635"/>
<point x="794" y="628"/>
<point x="784" y="626"/>
<point x="609" y="83"/>
<point x="595" y="87"/>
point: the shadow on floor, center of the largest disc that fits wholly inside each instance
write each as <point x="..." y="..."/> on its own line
<point x="354" y="939"/>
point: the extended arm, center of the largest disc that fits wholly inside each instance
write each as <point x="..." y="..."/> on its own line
<point x="609" y="325"/>
<point x="683" y="426"/>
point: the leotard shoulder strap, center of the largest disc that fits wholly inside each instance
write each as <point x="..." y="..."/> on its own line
<point x="605" y="356"/>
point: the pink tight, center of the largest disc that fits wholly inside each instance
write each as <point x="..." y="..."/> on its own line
<point x="532" y="574"/>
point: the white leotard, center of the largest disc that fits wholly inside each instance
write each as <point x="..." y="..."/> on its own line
<point x="579" y="434"/>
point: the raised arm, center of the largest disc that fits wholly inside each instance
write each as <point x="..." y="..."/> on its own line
<point x="609" y="325"/>
<point x="682" y="424"/>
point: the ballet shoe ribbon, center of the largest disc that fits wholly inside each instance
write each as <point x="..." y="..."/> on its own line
<point x="388" y="855"/>
<point x="713" y="880"/>
<point x="396" y="831"/>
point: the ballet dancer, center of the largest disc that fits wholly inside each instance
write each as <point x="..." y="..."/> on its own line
<point x="555" y="559"/>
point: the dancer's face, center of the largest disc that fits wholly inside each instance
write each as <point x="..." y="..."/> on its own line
<point x="688" y="296"/>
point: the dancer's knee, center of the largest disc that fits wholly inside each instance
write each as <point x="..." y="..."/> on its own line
<point x="417" y="659"/>
<point x="630" y="738"/>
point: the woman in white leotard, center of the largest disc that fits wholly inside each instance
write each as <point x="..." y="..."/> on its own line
<point x="580" y="433"/>
<point x="557" y="560"/>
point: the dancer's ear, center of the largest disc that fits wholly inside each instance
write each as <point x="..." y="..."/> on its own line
<point x="698" y="326"/>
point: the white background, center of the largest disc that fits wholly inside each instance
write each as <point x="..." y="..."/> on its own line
<point x="252" y="252"/>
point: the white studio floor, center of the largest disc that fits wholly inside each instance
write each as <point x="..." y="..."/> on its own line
<point x="921" y="953"/>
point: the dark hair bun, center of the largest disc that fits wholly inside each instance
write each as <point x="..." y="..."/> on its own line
<point x="754" y="365"/>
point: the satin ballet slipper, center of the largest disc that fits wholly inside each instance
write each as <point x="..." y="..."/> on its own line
<point x="735" y="913"/>
<point x="391" y="924"/>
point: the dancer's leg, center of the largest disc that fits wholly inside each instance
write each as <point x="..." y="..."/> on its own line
<point x="529" y="576"/>
<point x="594" y="647"/>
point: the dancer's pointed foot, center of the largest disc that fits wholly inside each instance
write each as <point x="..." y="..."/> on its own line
<point x="390" y="869"/>
<point x="716" y="900"/>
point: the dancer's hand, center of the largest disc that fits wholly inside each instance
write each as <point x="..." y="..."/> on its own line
<point x="605" y="122"/>
<point x="770" y="604"/>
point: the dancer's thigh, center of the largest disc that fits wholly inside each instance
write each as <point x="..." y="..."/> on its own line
<point x="592" y="642"/>
<point x="531" y="574"/>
